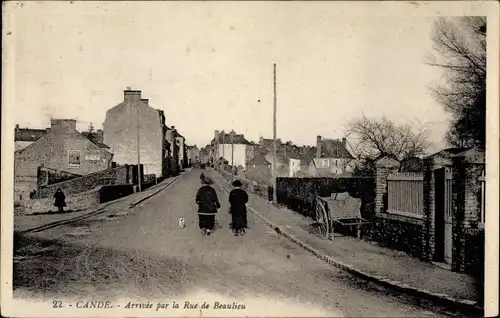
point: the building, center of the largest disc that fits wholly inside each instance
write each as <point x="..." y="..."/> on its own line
<point x="205" y="155"/>
<point x="193" y="154"/>
<point x="259" y="169"/>
<point x="61" y="148"/>
<point x="332" y="157"/>
<point x="224" y="145"/>
<point x="291" y="160"/>
<point x="173" y="151"/>
<point x="23" y="137"/>
<point x="181" y="143"/>
<point x="133" y="124"/>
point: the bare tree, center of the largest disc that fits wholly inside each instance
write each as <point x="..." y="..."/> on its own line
<point x="460" y="44"/>
<point x="381" y="137"/>
<point x="91" y="127"/>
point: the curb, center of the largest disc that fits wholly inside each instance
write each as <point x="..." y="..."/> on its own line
<point x="133" y="204"/>
<point x="465" y="304"/>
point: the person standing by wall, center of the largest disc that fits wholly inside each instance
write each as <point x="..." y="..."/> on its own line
<point x="60" y="200"/>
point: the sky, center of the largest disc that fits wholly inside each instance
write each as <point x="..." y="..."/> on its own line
<point x="210" y="66"/>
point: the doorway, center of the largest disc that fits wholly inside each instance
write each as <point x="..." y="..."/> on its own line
<point x="443" y="216"/>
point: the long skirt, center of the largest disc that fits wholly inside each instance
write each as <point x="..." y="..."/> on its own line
<point x="239" y="221"/>
<point x="206" y="221"/>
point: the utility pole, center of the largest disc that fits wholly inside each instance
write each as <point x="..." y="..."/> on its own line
<point x="223" y="147"/>
<point x="274" y="138"/>
<point x="139" y="181"/>
<point x="232" y="153"/>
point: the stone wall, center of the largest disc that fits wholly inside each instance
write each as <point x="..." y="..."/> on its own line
<point x="119" y="175"/>
<point x="76" y="202"/>
<point x="46" y="176"/>
<point x="397" y="232"/>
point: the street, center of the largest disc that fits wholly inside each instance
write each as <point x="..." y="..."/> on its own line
<point x="143" y="254"/>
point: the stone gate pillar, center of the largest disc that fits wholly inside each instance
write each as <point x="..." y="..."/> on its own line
<point x="468" y="167"/>
<point x="384" y="167"/>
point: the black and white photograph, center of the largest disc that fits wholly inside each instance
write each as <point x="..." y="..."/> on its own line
<point x="250" y="159"/>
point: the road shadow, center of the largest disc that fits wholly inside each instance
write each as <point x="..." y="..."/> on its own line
<point x="56" y="212"/>
<point x="56" y="267"/>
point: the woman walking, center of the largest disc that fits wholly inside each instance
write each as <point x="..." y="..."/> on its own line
<point x="208" y="203"/>
<point x="60" y="200"/>
<point x="238" y="198"/>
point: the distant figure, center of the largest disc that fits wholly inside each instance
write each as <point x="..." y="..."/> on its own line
<point x="208" y="204"/>
<point x="202" y="177"/>
<point x="238" y="198"/>
<point x="60" y="201"/>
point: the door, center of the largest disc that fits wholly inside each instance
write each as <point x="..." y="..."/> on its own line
<point x="439" y="226"/>
<point x="443" y="216"/>
<point x="448" y="217"/>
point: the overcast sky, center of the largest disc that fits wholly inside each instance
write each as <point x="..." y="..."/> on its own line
<point x="207" y="65"/>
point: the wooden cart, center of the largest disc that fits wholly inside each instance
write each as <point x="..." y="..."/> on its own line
<point x="332" y="211"/>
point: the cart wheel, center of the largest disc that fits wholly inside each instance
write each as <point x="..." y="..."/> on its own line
<point x="322" y="220"/>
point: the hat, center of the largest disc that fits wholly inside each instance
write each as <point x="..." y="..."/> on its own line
<point x="207" y="180"/>
<point x="237" y="183"/>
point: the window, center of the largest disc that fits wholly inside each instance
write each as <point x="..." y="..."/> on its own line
<point x="74" y="158"/>
<point x="325" y="163"/>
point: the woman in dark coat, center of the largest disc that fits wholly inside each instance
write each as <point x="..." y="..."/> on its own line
<point x="238" y="199"/>
<point x="60" y="201"/>
<point x="208" y="203"/>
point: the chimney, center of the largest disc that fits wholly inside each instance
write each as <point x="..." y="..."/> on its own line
<point x="261" y="140"/>
<point x="344" y="142"/>
<point x="318" y="147"/>
<point x="131" y="95"/>
<point x="63" y="123"/>
<point x="145" y="101"/>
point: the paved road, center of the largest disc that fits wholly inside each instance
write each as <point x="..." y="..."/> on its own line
<point x="144" y="252"/>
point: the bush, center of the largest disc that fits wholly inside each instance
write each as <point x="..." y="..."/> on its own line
<point x="299" y="194"/>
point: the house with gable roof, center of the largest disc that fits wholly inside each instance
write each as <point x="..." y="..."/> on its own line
<point x="332" y="157"/>
<point x="60" y="148"/>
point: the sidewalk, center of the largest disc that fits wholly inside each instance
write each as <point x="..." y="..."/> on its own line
<point x="24" y="223"/>
<point x="367" y="259"/>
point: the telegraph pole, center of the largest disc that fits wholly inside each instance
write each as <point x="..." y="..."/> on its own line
<point x="139" y="181"/>
<point x="274" y="138"/>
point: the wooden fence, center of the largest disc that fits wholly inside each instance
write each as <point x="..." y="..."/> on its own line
<point x="405" y="194"/>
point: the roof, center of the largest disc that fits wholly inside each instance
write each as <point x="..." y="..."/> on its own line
<point x="259" y="160"/>
<point x="237" y="139"/>
<point x="76" y="132"/>
<point x="304" y="154"/>
<point x="269" y="142"/>
<point x="448" y="152"/>
<point x="333" y="148"/>
<point x="28" y="134"/>
<point x="96" y="138"/>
